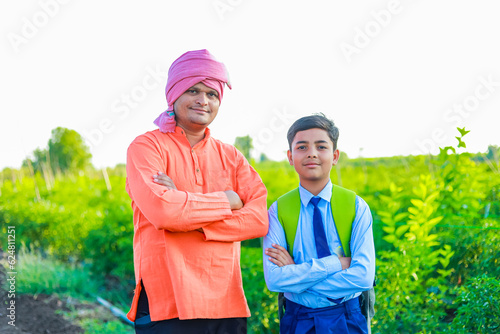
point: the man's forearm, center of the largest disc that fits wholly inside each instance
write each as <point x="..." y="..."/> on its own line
<point x="249" y="222"/>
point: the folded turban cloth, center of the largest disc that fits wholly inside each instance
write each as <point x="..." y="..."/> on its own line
<point x="186" y="71"/>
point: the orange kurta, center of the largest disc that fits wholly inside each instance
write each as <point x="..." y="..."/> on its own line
<point x="188" y="274"/>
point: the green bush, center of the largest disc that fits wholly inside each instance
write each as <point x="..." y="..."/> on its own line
<point x="262" y="302"/>
<point x="479" y="306"/>
<point x="39" y="274"/>
<point x="78" y="218"/>
<point x="413" y="275"/>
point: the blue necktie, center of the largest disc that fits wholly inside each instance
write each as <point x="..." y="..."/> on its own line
<point x="319" y="230"/>
<point x="320" y="237"/>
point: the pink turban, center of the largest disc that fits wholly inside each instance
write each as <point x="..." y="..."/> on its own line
<point x="186" y="71"/>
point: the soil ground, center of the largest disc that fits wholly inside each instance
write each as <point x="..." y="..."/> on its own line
<point x="33" y="314"/>
<point x="37" y="314"/>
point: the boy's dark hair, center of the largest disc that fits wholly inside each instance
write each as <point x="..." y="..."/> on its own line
<point x="316" y="121"/>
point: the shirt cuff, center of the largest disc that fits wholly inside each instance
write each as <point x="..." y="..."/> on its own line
<point x="332" y="264"/>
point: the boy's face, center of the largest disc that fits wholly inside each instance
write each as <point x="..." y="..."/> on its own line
<point x="312" y="155"/>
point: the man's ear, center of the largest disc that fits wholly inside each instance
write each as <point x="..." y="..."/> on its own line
<point x="336" y="156"/>
<point x="289" y="155"/>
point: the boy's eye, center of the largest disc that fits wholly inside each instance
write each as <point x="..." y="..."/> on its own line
<point x="301" y="147"/>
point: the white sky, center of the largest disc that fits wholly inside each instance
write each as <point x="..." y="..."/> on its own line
<point x="397" y="77"/>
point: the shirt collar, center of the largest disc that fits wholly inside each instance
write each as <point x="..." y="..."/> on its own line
<point x="326" y="193"/>
<point x="180" y="131"/>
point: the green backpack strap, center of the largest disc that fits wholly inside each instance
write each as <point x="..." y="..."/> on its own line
<point x="288" y="215"/>
<point x="344" y="211"/>
<point x="343" y="205"/>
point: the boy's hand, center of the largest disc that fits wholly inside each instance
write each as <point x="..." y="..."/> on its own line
<point x="345" y="262"/>
<point x="279" y="256"/>
<point x="164" y="180"/>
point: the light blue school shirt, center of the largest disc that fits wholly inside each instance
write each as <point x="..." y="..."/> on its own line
<point x="311" y="281"/>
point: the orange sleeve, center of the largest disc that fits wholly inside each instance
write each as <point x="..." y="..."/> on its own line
<point x="249" y="222"/>
<point x="172" y="210"/>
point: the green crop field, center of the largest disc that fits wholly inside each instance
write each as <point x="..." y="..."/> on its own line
<point x="436" y="227"/>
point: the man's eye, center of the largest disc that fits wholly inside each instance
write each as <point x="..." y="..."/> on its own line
<point x="212" y="94"/>
<point x="302" y="147"/>
<point x="192" y="91"/>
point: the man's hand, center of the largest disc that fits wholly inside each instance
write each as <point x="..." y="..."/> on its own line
<point x="164" y="180"/>
<point x="345" y="262"/>
<point x="234" y="200"/>
<point x="279" y="256"/>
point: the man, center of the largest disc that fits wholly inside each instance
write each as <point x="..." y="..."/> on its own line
<point x="194" y="199"/>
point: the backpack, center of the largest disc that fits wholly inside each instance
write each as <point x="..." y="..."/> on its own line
<point x="344" y="212"/>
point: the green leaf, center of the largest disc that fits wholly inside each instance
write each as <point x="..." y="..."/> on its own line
<point x="434" y="221"/>
<point x="444" y="262"/>
<point x="431" y="237"/>
<point x="388" y="229"/>
<point x="462" y="131"/>
<point x="431" y="197"/>
<point x="411" y="236"/>
<point x="413" y="211"/>
<point x="390" y="238"/>
<point x="417" y="203"/>
<point x="401" y="230"/>
<point x="400" y="216"/>
<point x="444" y="273"/>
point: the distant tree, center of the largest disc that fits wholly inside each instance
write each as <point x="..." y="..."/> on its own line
<point x="493" y="153"/>
<point x="263" y="157"/>
<point x="343" y="156"/>
<point x="67" y="150"/>
<point x="244" y="144"/>
<point x="39" y="160"/>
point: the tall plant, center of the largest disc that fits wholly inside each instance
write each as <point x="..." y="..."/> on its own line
<point x="413" y="274"/>
<point x="463" y="198"/>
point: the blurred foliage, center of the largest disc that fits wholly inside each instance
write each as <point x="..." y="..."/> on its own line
<point x="436" y="228"/>
<point x="80" y="217"/>
<point x="479" y="310"/>
<point x="414" y="274"/>
<point x="244" y="145"/>
<point x="66" y="150"/>
<point x="262" y="302"/>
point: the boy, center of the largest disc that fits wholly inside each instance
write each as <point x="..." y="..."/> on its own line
<point x="321" y="285"/>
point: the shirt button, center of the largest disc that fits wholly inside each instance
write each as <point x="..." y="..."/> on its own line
<point x="197" y="170"/>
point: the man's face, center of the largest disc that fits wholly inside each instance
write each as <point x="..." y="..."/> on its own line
<point x="312" y="155"/>
<point x="196" y="108"/>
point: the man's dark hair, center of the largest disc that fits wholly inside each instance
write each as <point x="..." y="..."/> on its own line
<point x="316" y="121"/>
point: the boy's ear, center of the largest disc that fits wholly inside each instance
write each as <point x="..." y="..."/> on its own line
<point x="289" y="155"/>
<point x="336" y="156"/>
